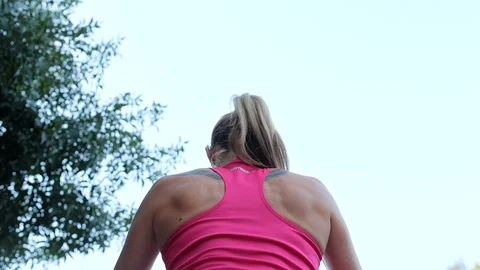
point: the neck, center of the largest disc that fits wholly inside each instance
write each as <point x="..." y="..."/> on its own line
<point x="223" y="160"/>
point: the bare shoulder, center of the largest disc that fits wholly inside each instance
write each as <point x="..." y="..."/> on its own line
<point x="180" y="197"/>
<point x="309" y="184"/>
<point x="185" y="190"/>
<point x="169" y="182"/>
<point x="302" y="199"/>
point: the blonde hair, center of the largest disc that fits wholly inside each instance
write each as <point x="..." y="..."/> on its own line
<point x="248" y="134"/>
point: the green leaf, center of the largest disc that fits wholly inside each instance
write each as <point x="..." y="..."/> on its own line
<point x="62" y="146"/>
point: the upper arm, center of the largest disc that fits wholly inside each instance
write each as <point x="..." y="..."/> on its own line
<point x="339" y="253"/>
<point x="140" y="249"/>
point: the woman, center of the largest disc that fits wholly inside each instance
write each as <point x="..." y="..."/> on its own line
<point x="246" y="212"/>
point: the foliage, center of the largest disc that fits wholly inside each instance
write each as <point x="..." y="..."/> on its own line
<point x="63" y="152"/>
<point x="460" y="265"/>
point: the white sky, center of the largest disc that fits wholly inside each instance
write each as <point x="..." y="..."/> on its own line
<point x="378" y="99"/>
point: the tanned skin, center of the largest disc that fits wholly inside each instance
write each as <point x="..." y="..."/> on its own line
<point x="176" y="199"/>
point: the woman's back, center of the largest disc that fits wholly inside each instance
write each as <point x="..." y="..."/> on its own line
<point x="210" y="218"/>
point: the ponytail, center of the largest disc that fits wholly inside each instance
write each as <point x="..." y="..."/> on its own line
<point x="248" y="134"/>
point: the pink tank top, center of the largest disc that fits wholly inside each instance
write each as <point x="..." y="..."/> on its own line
<point x="241" y="232"/>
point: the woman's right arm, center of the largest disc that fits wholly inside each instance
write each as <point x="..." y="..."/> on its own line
<point x="339" y="253"/>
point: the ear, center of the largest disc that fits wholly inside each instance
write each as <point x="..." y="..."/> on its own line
<point x="209" y="153"/>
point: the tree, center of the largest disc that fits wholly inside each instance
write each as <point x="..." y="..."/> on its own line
<point x="460" y="265"/>
<point x="64" y="153"/>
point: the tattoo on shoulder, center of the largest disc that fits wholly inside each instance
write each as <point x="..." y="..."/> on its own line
<point x="275" y="173"/>
<point x="201" y="172"/>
